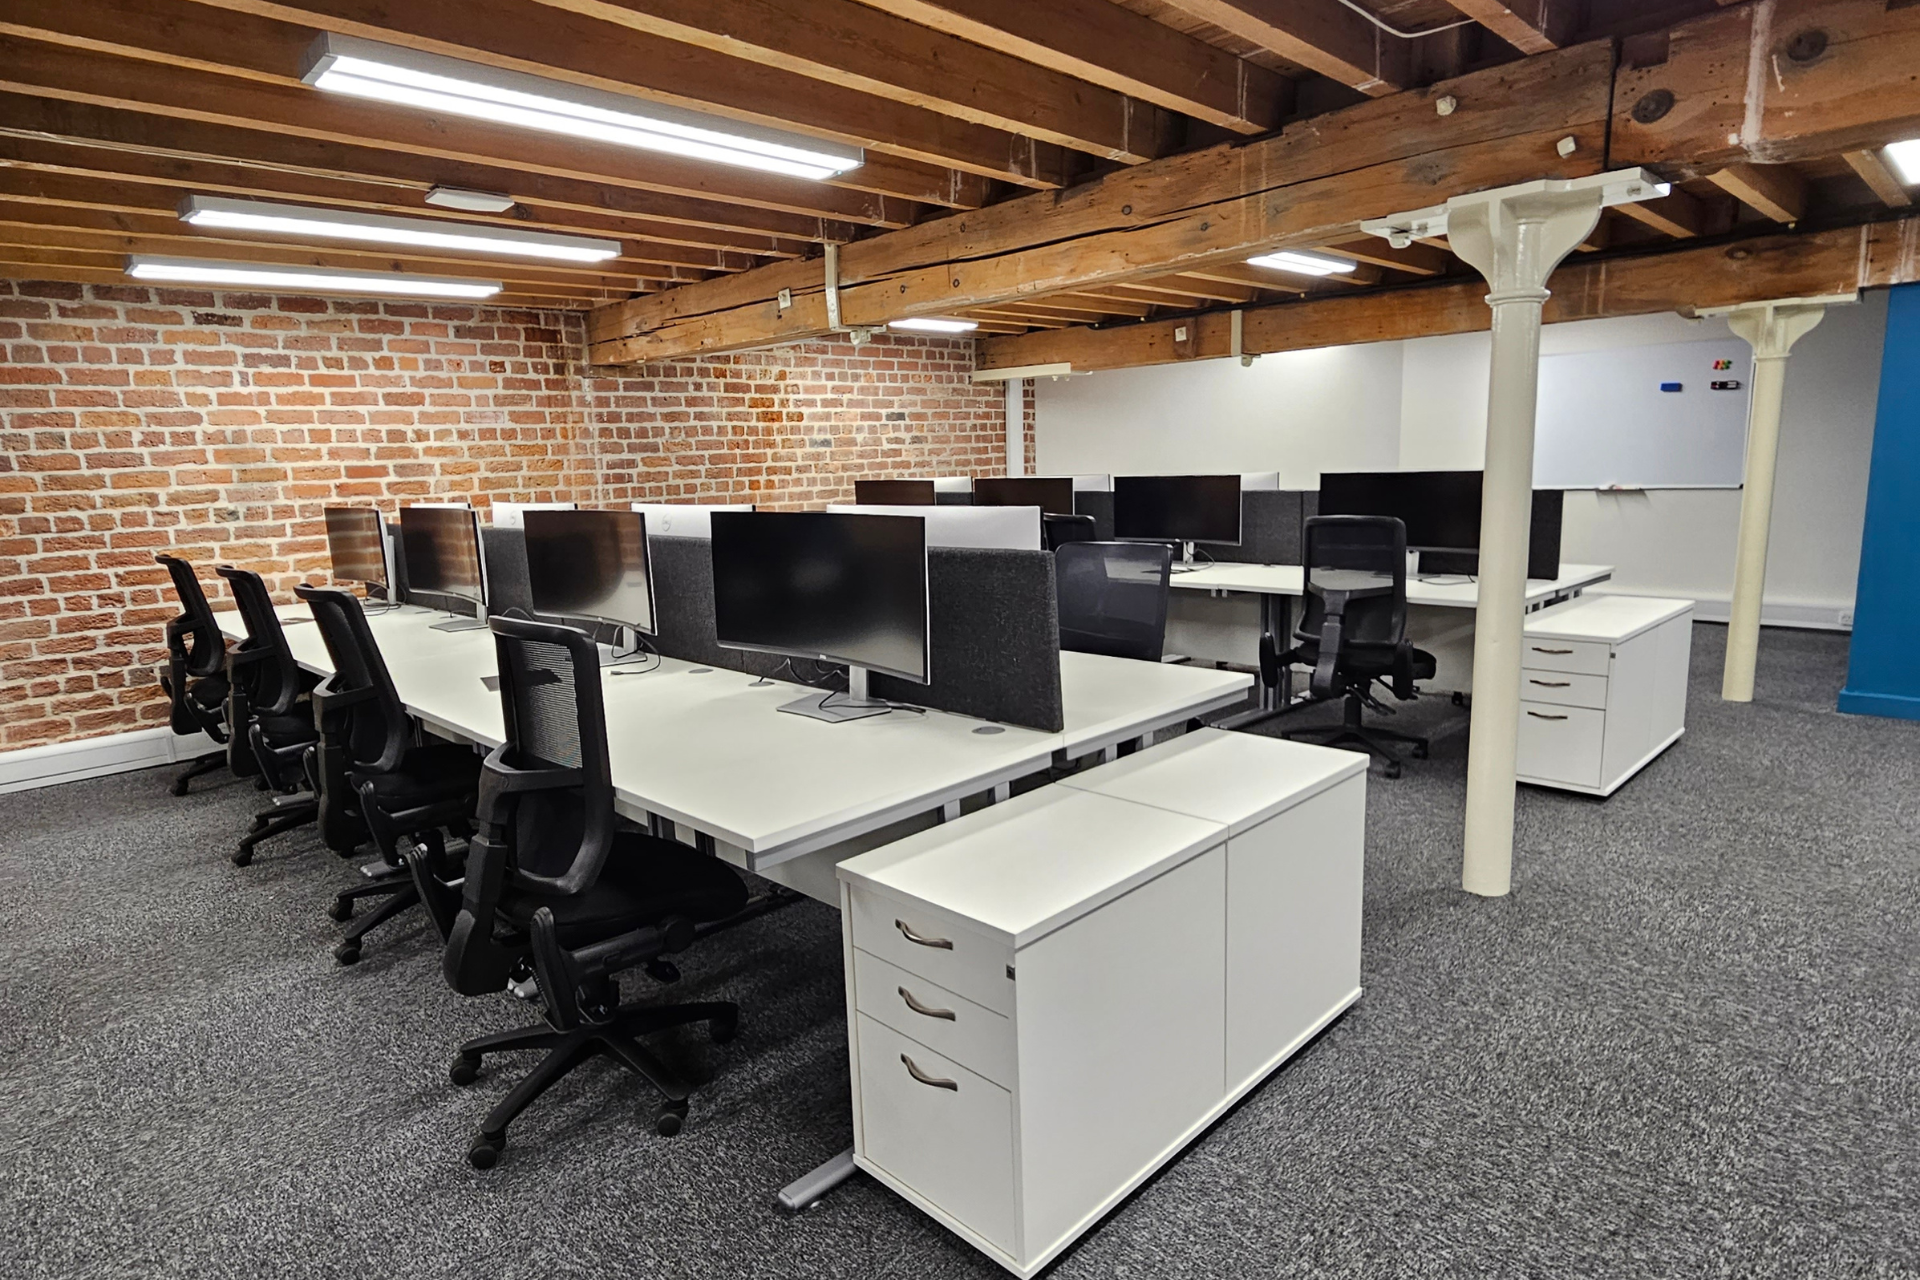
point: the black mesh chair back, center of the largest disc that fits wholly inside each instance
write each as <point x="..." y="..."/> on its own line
<point x="376" y="729"/>
<point x="1364" y="559"/>
<point x="196" y="650"/>
<point x="268" y="670"/>
<point x="546" y="794"/>
<point x="1113" y="597"/>
<point x="1057" y="530"/>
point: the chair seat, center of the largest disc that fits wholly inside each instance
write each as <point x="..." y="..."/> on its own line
<point x="287" y="731"/>
<point x="208" y="691"/>
<point x="426" y="775"/>
<point x="645" y="879"/>
<point x="1357" y="666"/>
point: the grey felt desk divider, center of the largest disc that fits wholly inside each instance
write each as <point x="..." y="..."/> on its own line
<point x="1097" y="503"/>
<point x="995" y="631"/>
<point x="1270" y="530"/>
<point x="942" y="499"/>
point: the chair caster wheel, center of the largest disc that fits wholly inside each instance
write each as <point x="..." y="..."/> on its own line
<point x="1459" y="699"/>
<point x="341" y="910"/>
<point x="465" y="1069"/>
<point x="485" y="1151"/>
<point x="242" y="856"/>
<point x="347" y="953"/>
<point x="180" y="787"/>
<point x="1392" y="770"/>
<point x="662" y="970"/>
<point x="723" y="1030"/>
<point x="671" y="1117"/>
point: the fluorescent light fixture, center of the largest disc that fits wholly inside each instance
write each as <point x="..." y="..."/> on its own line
<point x="319" y="279"/>
<point x="407" y="77"/>
<point x="343" y="224"/>
<point x="1303" y="264"/>
<point x="1906" y="158"/>
<point x="470" y="201"/>
<point x="926" y="324"/>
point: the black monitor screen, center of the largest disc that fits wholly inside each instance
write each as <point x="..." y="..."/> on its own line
<point x="1441" y="509"/>
<point x="590" y="564"/>
<point x="1054" y="496"/>
<point x="353" y="541"/>
<point x="442" y="546"/>
<point x="823" y="585"/>
<point x="1177" y="509"/>
<point x="894" y="493"/>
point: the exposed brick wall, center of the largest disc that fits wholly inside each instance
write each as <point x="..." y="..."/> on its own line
<point x="135" y="419"/>
<point x="795" y="426"/>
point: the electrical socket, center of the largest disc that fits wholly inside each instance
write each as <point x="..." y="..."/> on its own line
<point x="1846" y="617"/>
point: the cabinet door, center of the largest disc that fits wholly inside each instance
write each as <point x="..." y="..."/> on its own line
<point x="1293" y="925"/>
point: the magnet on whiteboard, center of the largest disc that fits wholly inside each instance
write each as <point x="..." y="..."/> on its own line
<point x="1669" y="386"/>
<point x="1729" y="384"/>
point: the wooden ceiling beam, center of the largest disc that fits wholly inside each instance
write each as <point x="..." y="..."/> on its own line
<point x="128" y="134"/>
<point x="1321" y="35"/>
<point x="1679" y="279"/>
<point x="845" y="43"/>
<point x="1873" y="170"/>
<point x="1817" y="78"/>
<point x="1531" y="26"/>
<point x="570" y="47"/>
<point x="1773" y="191"/>
<point x="1104" y="44"/>
<point x="1679" y="215"/>
<point x="34" y="66"/>
<point x="1415" y="259"/>
<point x="1306" y="186"/>
<point x="104" y="190"/>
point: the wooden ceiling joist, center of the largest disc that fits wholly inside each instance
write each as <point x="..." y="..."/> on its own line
<point x="1773" y="191"/>
<point x="1531" y="26"/>
<point x="1872" y="169"/>
<point x="1303" y="187"/>
<point x="1680" y="279"/>
<point x="842" y="42"/>
<point x="1322" y="35"/>
<point x="1101" y="43"/>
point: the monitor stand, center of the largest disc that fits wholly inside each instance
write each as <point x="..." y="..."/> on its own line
<point x="626" y="650"/>
<point x="834" y="707"/>
<point x="459" y="623"/>
<point x="1186" y="564"/>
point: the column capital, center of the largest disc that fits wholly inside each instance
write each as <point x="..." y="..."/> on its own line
<point x="1772" y="327"/>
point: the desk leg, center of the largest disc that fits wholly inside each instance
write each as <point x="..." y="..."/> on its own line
<point x="1276" y="620"/>
<point x="805" y="1191"/>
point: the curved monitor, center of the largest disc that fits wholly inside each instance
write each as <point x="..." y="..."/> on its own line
<point x="442" y="548"/>
<point x="590" y="565"/>
<point x="357" y="546"/>
<point x="1177" y="509"/>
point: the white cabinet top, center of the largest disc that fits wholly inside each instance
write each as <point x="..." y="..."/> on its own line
<point x="1610" y="619"/>
<point x="1236" y="778"/>
<point x="1445" y="591"/>
<point x="1019" y="870"/>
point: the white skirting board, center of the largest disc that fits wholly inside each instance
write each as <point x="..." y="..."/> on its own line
<point x="31" y="767"/>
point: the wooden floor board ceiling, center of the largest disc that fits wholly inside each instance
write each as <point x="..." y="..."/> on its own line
<point x="1075" y="178"/>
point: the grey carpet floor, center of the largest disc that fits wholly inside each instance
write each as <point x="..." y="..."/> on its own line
<point x="1687" y="1045"/>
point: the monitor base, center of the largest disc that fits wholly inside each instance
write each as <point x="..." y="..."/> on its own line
<point x="819" y="707"/>
<point x="459" y="624"/>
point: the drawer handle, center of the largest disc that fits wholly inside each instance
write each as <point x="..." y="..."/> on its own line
<point x="1558" y="652"/>
<point x="926" y="1079"/>
<point x="922" y="1009"/>
<point x="1550" y="684"/>
<point x="1541" y="715"/>
<point x="940" y="944"/>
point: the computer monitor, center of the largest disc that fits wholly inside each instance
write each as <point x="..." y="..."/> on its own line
<point x="1441" y="510"/>
<point x="894" y="493"/>
<point x="1052" y="494"/>
<point x="1183" y="509"/>
<point x="829" y="587"/>
<point x="358" y="548"/>
<point x="442" y="546"/>
<point x="511" y="515"/>
<point x="683" y="519"/>
<point x="591" y="565"/>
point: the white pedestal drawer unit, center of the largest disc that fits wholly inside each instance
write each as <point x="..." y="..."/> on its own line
<point x="1050" y="997"/>
<point x="1603" y="689"/>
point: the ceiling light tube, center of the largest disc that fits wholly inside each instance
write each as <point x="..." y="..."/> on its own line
<point x="426" y="233"/>
<point x="1906" y="159"/>
<point x="1304" y="264"/>
<point x="316" y="279"/>
<point x="928" y="324"/>
<point x="408" y="77"/>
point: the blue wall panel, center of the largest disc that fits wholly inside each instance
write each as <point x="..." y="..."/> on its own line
<point x="1883" y="672"/>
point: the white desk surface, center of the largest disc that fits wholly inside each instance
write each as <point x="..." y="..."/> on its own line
<point x="1450" y="592"/>
<point x="711" y="751"/>
<point x="1019" y="870"/>
<point x="1609" y="618"/>
<point x="1240" y="779"/>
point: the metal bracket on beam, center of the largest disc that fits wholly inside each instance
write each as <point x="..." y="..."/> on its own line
<point x="1236" y="339"/>
<point x="1622" y="186"/>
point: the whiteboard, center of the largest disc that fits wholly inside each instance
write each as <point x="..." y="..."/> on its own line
<point x="1605" y="422"/>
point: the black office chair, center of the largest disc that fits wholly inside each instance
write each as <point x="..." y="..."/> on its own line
<point x="1113" y="597"/>
<point x="195" y="678"/>
<point x="376" y="780"/>
<point x="1353" y="631"/>
<point x="550" y="877"/>
<point x="1057" y="531"/>
<point x="269" y="712"/>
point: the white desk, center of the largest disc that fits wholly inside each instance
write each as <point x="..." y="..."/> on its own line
<point x="1435" y="620"/>
<point x="707" y="748"/>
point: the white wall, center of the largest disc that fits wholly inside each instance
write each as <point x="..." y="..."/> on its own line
<point x="1421" y="405"/>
